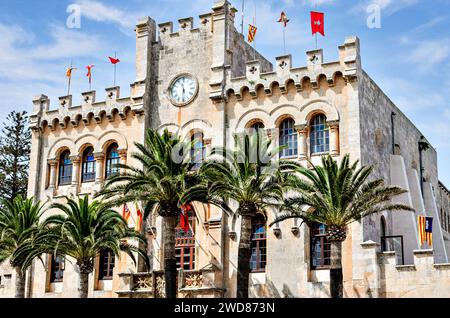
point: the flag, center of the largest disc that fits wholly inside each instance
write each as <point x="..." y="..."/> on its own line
<point x="425" y="225"/>
<point x="114" y="60"/>
<point x="126" y="213"/>
<point x="318" y="22"/>
<point x="89" y="73"/>
<point x="140" y="218"/>
<point x="184" y="219"/>
<point x="284" y="19"/>
<point x="251" y="32"/>
<point x="69" y="71"/>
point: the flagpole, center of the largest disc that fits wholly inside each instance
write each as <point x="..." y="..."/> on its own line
<point x="70" y="78"/>
<point x="243" y="12"/>
<point x="115" y="69"/>
<point x="284" y="38"/>
<point x="254" y="39"/>
<point x="315" y="8"/>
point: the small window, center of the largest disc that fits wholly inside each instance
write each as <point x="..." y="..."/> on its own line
<point x="258" y="258"/>
<point x="88" y="169"/>
<point x="112" y="159"/>
<point x="106" y="265"/>
<point x="288" y="138"/>
<point x="198" y="152"/>
<point x="185" y="243"/>
<point x="383" y="234"/>
<point x="57" y="269"/>
<point x="65" y="169"/>
<point x="320" y="247"/>
<point x="320" y="135"/>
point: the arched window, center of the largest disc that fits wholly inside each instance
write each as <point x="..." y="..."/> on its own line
<point x="88" y="169"/>
<point x="185" y="240"/>
<point x="383" y="234"/>
<point x="198" y="151"/>
<point x="320" y="135"/>
<point x="112" y="159"/>
<point x="288" y="138"/>
<point x="320" y="247"/>
<point x="258" y="126"/>
<point x="65" y="169"/>
<point x="258" y="258"/>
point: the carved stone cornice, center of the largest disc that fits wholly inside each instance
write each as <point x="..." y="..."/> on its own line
<point x="301" y="128"/>
<point x="99" y="156"/>
<point x="333" y="124"/>
<point x="53" y="162"/>
<point x="75" y="159"/>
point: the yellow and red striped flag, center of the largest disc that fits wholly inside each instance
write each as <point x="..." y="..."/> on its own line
<point x="140" y="218"/>
<point x="425" y="225"/>
<point x="126" y="213"/>
<point x="69" y="71"/>
<point x="251" y="32"/>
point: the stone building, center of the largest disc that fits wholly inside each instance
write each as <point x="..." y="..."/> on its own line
<point x="205" y="81"/>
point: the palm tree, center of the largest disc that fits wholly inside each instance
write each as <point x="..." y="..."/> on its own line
<point x="19" y="224"/>
<point x="247" y="177"/>
<point x="82" y="231"/>
<point x="161" y="183"/>
<point x="339" y="195"/>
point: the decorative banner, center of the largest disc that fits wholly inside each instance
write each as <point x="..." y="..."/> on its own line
<point x="69" y="71"/>
<point x="425" y="225"/>
<point x="113" y="60"/>
<point x="89" y="73"/>
<point x="251" y="32"/>
<point x="140" y="218"/>
<point x="318" y="22"/>
<point x="126" y="213"/>
<point x="184" y="218"/>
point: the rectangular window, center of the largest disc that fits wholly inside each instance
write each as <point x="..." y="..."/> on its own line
<point x="320" y="247"/>
<point x="106" y="265"/>
<point x="57" y="269"/>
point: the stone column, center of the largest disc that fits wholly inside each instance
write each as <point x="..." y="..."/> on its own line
<point x="76" y="164"/>
<point x="99" y="167"/>
<point x="302" y="141"/>
<point x="123" y="157"/>
<point x="53" y="172"/>
<point x="334" y="137"/>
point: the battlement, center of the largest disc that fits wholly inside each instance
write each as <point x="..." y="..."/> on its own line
<point x="69" y="114"/>
<point x="185" y="25"/>
<point x="316" y="70"/>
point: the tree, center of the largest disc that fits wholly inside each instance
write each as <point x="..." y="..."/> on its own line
<point x="247" y="177"/>
<point x="19" y="225"/>
<point x="15" y="150"/>
<point x="339" y="195"/>
<point x="83" y="231"/>
<point x="161" y="182"/>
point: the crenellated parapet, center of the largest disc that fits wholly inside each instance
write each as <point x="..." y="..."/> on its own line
<point x="185" y="26"/>
<point x="316" y="70"/>
<point x="88" y="112"/>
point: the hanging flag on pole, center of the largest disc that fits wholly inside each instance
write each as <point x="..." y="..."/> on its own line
<point x="140" y="218"/>
<point x="114" y="61"/>
<point x="251" y="32"/>
<point x="284" y="19"/>
<point x="425" y="225"/>
<point x="126" y="213"/>
<point x="318" y="23"/>
<point x="89" y="74"/>
<point x="69" y="76"/>
<point x="184" y="219"/>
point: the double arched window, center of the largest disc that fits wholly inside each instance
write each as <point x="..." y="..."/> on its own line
<point x="320" y="135"/>
<point x="288" y="138"/>
<point x="88" y="168"/>
<point x="65" y="169"/>
<point x="112" y="159"/>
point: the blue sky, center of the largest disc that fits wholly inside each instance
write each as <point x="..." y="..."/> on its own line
<point x="409" y="56"/>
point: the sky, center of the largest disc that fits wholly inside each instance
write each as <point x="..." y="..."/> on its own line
<point x="407" y="53"/>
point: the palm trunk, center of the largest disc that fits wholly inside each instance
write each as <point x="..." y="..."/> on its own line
<point x="170" y="261"/>
<point x="244" y="254"/>
<point x="336" y="278"/>
<point x="20" y="283"/>
<point x="83" y="289"/>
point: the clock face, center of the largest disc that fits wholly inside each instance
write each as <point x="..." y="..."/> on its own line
<point x="183" y="90"/>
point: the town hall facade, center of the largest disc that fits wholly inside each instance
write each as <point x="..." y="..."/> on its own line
<point x="202" y="80"/>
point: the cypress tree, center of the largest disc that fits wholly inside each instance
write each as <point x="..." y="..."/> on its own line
<point x="14" y="155"/>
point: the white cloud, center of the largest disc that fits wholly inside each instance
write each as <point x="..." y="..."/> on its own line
<point x="388" y="6"/>
<point x="428" y="54"/>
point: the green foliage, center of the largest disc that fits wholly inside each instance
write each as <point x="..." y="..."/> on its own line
<point x="19" y="225"/>
<point x="338" y="194"/>
<point x="82" y="231"/>
<point x="14" y="161"/>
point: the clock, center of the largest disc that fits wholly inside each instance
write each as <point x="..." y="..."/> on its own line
<point x="183" y="89"/>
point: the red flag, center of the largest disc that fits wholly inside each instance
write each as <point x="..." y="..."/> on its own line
<point x="140" y="218"/>
<point x="126" y="213"/>
<point x="184" y="219"/>
<point x="114" y="60"/>
<point x="89" y="73"/>
<point x="284" y="19"/>
<point x="318" y="22"/>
